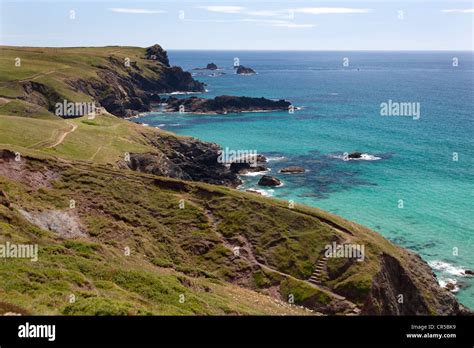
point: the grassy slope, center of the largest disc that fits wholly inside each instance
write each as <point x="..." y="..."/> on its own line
<point x="174" y="251"/>
<point x="104" y="140"/>
<point x="121" y="208"/>
<point x="53" y="67"/>
<point x="118" y="211"/>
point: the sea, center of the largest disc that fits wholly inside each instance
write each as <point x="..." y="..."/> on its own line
<point x="414" y="184"/>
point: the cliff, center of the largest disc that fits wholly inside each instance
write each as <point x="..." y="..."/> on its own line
<point x="183" y="158"/>
<point x="124" y="80"/>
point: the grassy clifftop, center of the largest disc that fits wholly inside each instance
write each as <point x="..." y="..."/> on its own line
<point x="124" y="80"/>
<point x="187" y="249"/>
<point x="137" y="243"/>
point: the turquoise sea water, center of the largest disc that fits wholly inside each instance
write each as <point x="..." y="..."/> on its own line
<point x="340" y="112"/>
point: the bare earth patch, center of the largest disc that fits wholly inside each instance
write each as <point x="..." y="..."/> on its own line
<point x="4" y="101"/>
<point x="18" y="171"/>
<point x="63" y="223"/>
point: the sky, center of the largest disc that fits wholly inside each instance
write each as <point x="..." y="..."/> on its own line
<point x="241" y="25"/>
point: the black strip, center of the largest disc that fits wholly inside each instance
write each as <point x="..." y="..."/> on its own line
<point x="241" y="331"/>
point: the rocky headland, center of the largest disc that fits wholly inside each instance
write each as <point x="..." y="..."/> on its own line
<point x="124" y="86"/>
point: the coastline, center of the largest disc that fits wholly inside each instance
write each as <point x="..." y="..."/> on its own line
<point x="182" y="164"/>
<point x="268" y="192"/>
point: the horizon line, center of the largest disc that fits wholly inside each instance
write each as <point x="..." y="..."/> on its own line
<point x="320" y="50"/>
<point x="254" y="50"/>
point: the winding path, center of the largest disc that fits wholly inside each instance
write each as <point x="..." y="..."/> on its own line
<point x="64" y="135"/>
<point x="250" y="257"/>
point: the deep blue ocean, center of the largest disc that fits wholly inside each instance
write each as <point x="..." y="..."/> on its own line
<point x="418" y="191"/>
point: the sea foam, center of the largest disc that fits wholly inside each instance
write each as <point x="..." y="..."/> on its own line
<point x="446" y="267"/>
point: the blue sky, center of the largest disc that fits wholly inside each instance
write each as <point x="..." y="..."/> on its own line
<point x="256" y="24"/>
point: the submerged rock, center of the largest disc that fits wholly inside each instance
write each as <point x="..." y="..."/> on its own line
<point x="243" y="168"/>
<point x="251" y="190"/>
<point x="292" y="170"/>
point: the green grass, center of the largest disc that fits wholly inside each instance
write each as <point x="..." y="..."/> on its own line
<point x="173" y="251"/>
<point x="103" y="140"/>
<point x="96" y="270"/>
<point x="54" y="67"/>
<point x="28" y="133"/>
<point x="303" y="294"/>
<point x="24" y="109"/>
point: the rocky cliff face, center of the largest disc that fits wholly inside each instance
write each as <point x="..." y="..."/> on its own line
<point x="128" y="91"/>
<point x="184" y="158"/>
<point x="156" y="52"/>
<point x="124" y="87"/>
<point x="41" y="95"/>
<point x="398" y="290"/>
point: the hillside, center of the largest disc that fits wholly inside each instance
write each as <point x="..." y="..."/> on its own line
<point x="156" y="235"/>
<point x="124" y="80"/>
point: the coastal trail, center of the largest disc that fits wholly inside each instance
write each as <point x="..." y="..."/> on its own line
<point x="63" y="135"/>
<point x="42" y="74"/>
<point x="252" y="259"/>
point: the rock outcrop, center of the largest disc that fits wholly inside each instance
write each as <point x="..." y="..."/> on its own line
<point x="250" y="164"/>
<point x="184" y="158"/>
<point x="223" y="104"/>
<point x="268" y="180"/>
<point x="210" y="66"/>
<point x="156" y="52"/>
<point x="64" y="223"/>
<point x="355" y="155"/>
<point x="242" y="70"/>
<point x="123" y="88"/>
<point x="39" y="94"/>
<point x="396" y="290"/>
